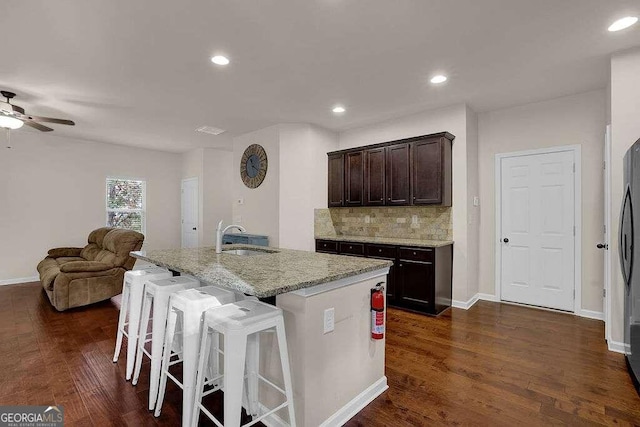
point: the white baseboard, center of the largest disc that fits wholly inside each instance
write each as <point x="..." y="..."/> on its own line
<point x="342" y="415"/>
<point x="589" y="314"/>
<point x="618" y="347"/>
<point x="19" y="280"/>
<point x="488" y="297"/>
<point x="465" y="305"/>
<point x="348" y="411"/>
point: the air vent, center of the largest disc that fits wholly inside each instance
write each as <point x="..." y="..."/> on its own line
<point x="210" y="130"/>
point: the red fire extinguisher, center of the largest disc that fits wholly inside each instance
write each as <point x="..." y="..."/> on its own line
<point x="377" y="312"/>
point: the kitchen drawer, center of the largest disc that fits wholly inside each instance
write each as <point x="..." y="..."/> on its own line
<point x="348" y="248"/>
<point x="415" y="254"/>
<point x="328" y="246"/>
<point x="381" y="251"/>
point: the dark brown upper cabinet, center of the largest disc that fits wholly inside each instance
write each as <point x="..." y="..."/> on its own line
<point x="336" y="180"/>
<point x="399" y="174"/>
<point x="374" y="177"/>
<point x="413" y="171"/>
<point x="353" y="178"/>
<point x="431" y="175"/>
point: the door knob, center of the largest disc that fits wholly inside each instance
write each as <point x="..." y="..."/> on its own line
<point x="194" y="229"/>
<point x="505" y="240"/>
<point x="602" y="246"/>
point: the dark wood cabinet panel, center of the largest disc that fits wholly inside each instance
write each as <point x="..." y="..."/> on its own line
<point x="419" y="279"/>
<point x="327" y="246"/>
<point x="413" y="171"/>
<point x="431" y="175"/>
<point x="389" y="253"/>
<point x="374" y="177"/>
<point x="354" y="178"/>
<point x="415" y="282"/>
<point x="398" y="170"/>
<point x="416" y="254"/>
<point x="427" y="172"/>
<point x="336" y="180"/>
<point x="349" y="248"/>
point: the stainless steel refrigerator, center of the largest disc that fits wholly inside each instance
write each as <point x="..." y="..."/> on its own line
<point x="629" y="240"/>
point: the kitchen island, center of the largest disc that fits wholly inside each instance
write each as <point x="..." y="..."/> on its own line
<point x="335" y="373"/>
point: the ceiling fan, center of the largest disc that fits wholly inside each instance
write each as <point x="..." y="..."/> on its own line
<point x="13" y="116"/>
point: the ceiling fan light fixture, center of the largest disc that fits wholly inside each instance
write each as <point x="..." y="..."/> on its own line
<point x="623" y="23"/>
<point x="9" y="122"/>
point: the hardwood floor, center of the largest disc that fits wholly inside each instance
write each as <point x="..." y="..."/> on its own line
<point x="499" y="364"/>
<point x="494" y="364"/>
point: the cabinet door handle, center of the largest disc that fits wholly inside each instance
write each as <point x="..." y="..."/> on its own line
<point x="379" y="250"/>
<point x="399" y="265"/>
<point x="414" y="253"/>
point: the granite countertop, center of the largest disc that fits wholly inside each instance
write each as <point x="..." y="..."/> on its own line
<point x="389" y="241"/>
<point x="277" y="271"/>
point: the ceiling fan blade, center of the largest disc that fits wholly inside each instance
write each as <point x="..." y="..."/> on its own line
<point x="38" y="126"/>
<point x="51" y="120"/>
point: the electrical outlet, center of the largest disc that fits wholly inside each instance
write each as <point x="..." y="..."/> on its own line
<point x="237" y="219"/>
<point x="414" y="219"/>
<point x="367" y="219"/>
<point x="241" y="201"/>
<point x="329" y="320"/>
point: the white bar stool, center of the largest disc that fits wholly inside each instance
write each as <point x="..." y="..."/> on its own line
<point x="240" y="323"/>
<point x="157" y="293"/>
<point x="187" y="306"/>
<point x="131" y="306"/>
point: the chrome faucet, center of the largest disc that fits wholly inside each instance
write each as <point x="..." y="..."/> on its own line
<point x="220" y="232"/>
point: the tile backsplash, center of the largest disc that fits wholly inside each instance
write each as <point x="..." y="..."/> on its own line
<point x="405" y="222"/>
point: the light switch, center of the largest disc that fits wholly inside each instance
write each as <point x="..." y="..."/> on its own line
<point x="329" y="320"/>
<point x="367" y="219"/>
<point x="414" y="219"/>
<point x="476" y="201"/>
<point x="241" y="201"/>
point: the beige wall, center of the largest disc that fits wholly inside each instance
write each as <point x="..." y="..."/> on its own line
<point x="52" y="193"/>
<point x="217" y="198"/>
<point x="296" y="183"/>
<point x="303" y="182"/>
<point x="260" y="212"/>
<point x="213" y="168"/>
<point x="473" y="212"/>
<point x="577" y="119"/>
<point x="625" y="130"/>
<point x="453" y="120"/>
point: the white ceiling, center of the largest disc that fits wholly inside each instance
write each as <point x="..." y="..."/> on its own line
<point x="138" y="72"/>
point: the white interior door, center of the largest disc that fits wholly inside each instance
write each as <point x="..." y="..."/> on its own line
<point x="537" y="230"/>
<point x="190" y="213"/>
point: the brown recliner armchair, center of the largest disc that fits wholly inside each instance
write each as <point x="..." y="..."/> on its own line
<point x="73" y="277"/>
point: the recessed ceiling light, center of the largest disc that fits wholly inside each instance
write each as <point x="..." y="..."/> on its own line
<point x="438" y="79"/>
<point x="623" y="23"/>
<point x="220" y="60"/>
<point x="339" y="109"/>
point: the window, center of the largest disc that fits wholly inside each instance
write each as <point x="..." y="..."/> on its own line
<point x="126" y="199"/>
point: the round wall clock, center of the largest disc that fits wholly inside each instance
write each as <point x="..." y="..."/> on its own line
<point x="253" y="166"/>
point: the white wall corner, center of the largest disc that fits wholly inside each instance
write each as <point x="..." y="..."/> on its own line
<point x="590" y="314"/>
<point x="465" y="305"/>
<point x="488" y="297"/>
<point x="618" y="347"/>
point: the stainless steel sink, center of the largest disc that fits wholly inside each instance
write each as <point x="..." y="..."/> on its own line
<point x="246" y="252"/>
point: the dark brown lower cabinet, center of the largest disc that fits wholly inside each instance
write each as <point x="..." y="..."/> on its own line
<point x="420" y="278"/>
